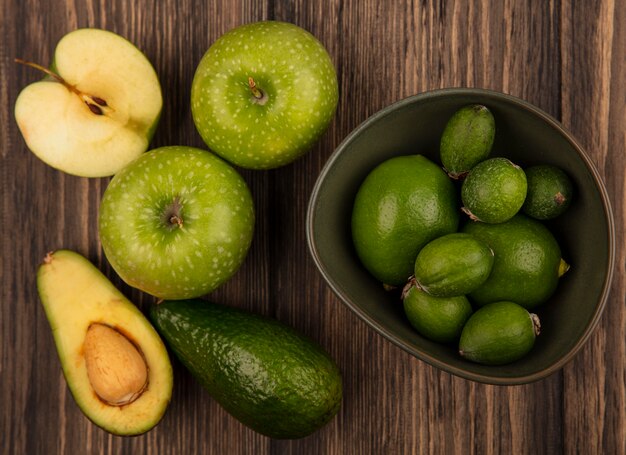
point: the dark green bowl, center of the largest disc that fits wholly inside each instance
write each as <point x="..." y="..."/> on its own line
<point x="526" y="135"/>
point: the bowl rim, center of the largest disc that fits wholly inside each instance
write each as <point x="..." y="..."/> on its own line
<point x="432" y="360"/>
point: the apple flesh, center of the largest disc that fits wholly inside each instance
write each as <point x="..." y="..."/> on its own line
<point x="177" y="222"/>
<point x="99" y="109"/>
<point x="263" y="94"/>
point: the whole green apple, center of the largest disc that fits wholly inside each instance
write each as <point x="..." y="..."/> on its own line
<point x="263" y="94"/>
<point x="177" y="222"/>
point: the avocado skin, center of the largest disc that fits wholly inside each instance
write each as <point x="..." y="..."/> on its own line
<point x="268" y="376"/>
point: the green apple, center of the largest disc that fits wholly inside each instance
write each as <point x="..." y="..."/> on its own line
<point x="177" y="222"/>
<point x="263" y="94"/>
<point x="97" y="109"/>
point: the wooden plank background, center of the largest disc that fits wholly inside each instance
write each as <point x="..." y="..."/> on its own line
<point x="566" y="57"/>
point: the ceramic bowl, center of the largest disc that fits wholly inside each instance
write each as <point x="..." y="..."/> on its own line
<point x="527" y="136"/>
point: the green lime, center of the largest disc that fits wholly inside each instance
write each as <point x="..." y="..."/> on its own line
<point x="403" y="204"/>
<point x="494" y="191"/>
<point x="467" y="139"/>
<point x="454" y="264"/>
<point x="527" y="262"/>
<point x="549" y="192"/>
<point x="499" y="333"/>
<point x="439" y="319"/>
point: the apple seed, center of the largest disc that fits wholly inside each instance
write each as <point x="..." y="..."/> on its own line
<point x="92" y="102"/>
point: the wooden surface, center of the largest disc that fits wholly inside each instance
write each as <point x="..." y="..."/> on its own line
<point x="568" y="58"/>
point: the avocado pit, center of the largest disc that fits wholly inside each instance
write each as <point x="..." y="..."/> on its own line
<point x="116" y="368"/>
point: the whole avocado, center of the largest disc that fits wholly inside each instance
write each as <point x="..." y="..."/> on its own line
<point x="261" y="371"/>
<point x="403" y="204"/>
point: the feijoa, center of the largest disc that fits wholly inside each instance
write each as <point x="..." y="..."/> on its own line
<point x="494" y="191"/>
<point x="549" y="192"/>
<point x="498" y="333"/>
<point x="453" y="264"/>
<point x="403" y="203"/>
<point x="439" y="319"/>
<point x="467" y="139"/>
<point x="527" y="262"/>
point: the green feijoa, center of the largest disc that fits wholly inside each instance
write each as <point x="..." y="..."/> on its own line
<point x="549" y="194"/>
<point x="454" y="264"/>
<point x="494" y="191"/>
<point x="467" y="139"/>
<point x="527" y="262"/>
<point x="403" y="203"/>
<point x="499" y="333"/>
<point x="439" y="319"/>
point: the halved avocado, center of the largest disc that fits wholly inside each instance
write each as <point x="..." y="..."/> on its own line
<point x="114" y="362"/>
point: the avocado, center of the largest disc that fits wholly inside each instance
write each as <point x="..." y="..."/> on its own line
<point x="454" y="264"/>
<point x="439" y="319"/>
<point x="527" y="261"/>
<point x="114" y="362"/>
<point x="261" y="371"/>
<point x="403" y="204"/>
<point x="467" y="139"/>
<point x="494" y="191"/>
<point x="498" y="333"/>
<point x="550" y="192"/>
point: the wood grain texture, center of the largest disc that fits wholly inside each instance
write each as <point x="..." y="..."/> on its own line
<point x="565" y="57"/>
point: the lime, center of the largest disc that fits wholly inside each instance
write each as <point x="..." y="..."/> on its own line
<point x="527" y="262"/>
<point x="403" y="204"/>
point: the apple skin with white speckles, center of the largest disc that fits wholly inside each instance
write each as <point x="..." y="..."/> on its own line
<point x="295" y="102"/>
<point x="177" y="222"/>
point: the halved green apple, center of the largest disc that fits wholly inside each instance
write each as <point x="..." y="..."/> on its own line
<point x="98" y="109"/>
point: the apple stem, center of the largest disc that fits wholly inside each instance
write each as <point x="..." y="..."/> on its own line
<point x="260" y="97"/>
<point x="258" y="94"/>
<point x="94" y="103"/>
<point x="48" y="258"/>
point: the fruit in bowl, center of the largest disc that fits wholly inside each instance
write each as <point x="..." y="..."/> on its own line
<point x="528" y="259"/>
<point x="528" y="137"/>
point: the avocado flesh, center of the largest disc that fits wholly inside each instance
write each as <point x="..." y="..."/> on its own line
<point x="75" y="296"/>
<point x="272" y="379"/>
